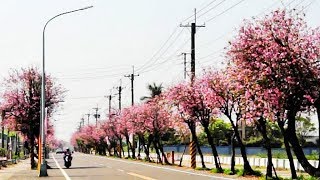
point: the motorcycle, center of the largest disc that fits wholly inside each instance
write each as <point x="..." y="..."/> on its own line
<point x="67" y="160"/>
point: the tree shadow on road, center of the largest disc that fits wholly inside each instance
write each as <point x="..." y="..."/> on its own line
<point x="81" y="167"/>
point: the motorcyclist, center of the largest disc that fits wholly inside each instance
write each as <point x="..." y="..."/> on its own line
<point x="67" y="158"/>
<point x="67" y="152"/>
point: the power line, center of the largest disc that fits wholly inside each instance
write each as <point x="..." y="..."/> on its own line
<point x="200" y="10"/>
<point x="150" y="60"/>
<point x="210" y="19"/>
<point x="211" y="8"/>
<point x="141" y="69"/>
<point x="168" y="59"/>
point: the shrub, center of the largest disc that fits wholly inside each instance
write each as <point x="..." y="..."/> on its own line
<point x="3" y="152"/>
<point x="202" y="169"/>
<point x="215" y="170"/>
<point x="241" y="172"/>
<point x="313" y="156"/>
<point x="227" y="172"/>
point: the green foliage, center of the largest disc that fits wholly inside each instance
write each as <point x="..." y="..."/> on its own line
<point x="21" y="154"/>
<point x="215" y="170"/>
<point x="274" y="133"/>
<point x="227" y="172"/>
<point x="15" y="157"/>
<point x="254" y="141"/>
<point x="171" y="137"/>
<point x="313" y="156"/>
<point x="221" y="132"/>
<point x="301" y="177"/>
<point x="202" y="169"/>
<point x="154" y="90"/>
<point x="3" y="152"/>
<point x="241" y="172"/>
<point x="304" y="127"/>
<point x="257" y="173"/>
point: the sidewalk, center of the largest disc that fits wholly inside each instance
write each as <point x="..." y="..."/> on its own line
<point x="282" y="173"/>
<point x="22" y="171"/>
<point x="19" y="171"/>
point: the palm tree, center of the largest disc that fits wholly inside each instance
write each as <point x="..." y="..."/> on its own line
<point x="154" y="89"/>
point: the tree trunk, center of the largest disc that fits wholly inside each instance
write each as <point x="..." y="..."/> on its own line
<point x="157" y="151"/>
<point x="128" y="145"/>
<point x="262" y="128"/>
<point x="233" y="163"/>
<point x="120" y="149"/>
<point x="147" y="151"/>
<point x="318" y="115"/>
<point x="288" y="150"/>
<point x="246" y="165"/>
<point x="133" y="148"/>
<point x="213" y="148"/>
<point x="139" y="148"/>
<point x="161" y="150"/>
<point x="32" y="155"/>
<point x="296" y="147"/>
<point x="192" y="128"/>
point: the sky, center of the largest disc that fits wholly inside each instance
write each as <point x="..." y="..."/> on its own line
<point x="89" y="52"/>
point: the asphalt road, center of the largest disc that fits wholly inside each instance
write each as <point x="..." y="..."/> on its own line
<point x="97" y="167"/>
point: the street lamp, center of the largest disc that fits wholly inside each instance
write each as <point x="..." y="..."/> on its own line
<point x="43" y="167"/>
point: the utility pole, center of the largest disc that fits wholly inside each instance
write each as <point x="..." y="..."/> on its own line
<point x="131" y="77"/>
<point x="185" y="64"/>
<point x="88" y="117"/>
<point x="96" y="115"/>
<point x="193" y="44"/>
<point x="110" y="97"/>
<point x="193" y="26"/>
<point x="119" y="93"/>
<point x="2" y="127"/>
<point x="82" y="120"/>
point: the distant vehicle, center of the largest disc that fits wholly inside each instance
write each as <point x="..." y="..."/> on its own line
<point x="59" y="151"/>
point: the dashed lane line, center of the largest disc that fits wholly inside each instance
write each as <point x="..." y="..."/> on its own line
<point x="140" y="176"/>
<point x="63" y="172"/>
<point x="120" y="170"/>
<point x="165" y="168"/>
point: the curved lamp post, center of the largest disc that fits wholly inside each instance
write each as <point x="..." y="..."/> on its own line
<point x="43" y="167"/>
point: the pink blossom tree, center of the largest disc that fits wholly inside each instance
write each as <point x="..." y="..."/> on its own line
<point x="280" y="54"/>
<point x="223" y="95"/>
<point x="189" y="102"/>
<point x="21" y="102"/>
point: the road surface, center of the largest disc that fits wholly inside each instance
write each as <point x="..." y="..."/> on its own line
<point x="98" y="167"/>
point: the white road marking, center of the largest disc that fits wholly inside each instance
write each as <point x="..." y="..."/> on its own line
<point x="120" y="170"/>
<point x="62" y="170"/>
<point x="165" y="168"/>
<point x="140" y="176"/>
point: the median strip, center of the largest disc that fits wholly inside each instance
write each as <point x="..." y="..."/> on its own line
<point x="140" y="176"/>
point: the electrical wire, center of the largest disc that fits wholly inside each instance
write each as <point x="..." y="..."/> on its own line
<point x="212" y="8"/>
<point x="226" y="10"/>
<point x="179" y="34"/>
<point x="163" y="45"/>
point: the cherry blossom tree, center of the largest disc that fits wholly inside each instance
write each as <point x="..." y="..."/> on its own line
<point x="21" y="102"/>
<point x="279" y="55"/>
<point x="223" y="95"/>
<point x="189" y="102"/>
